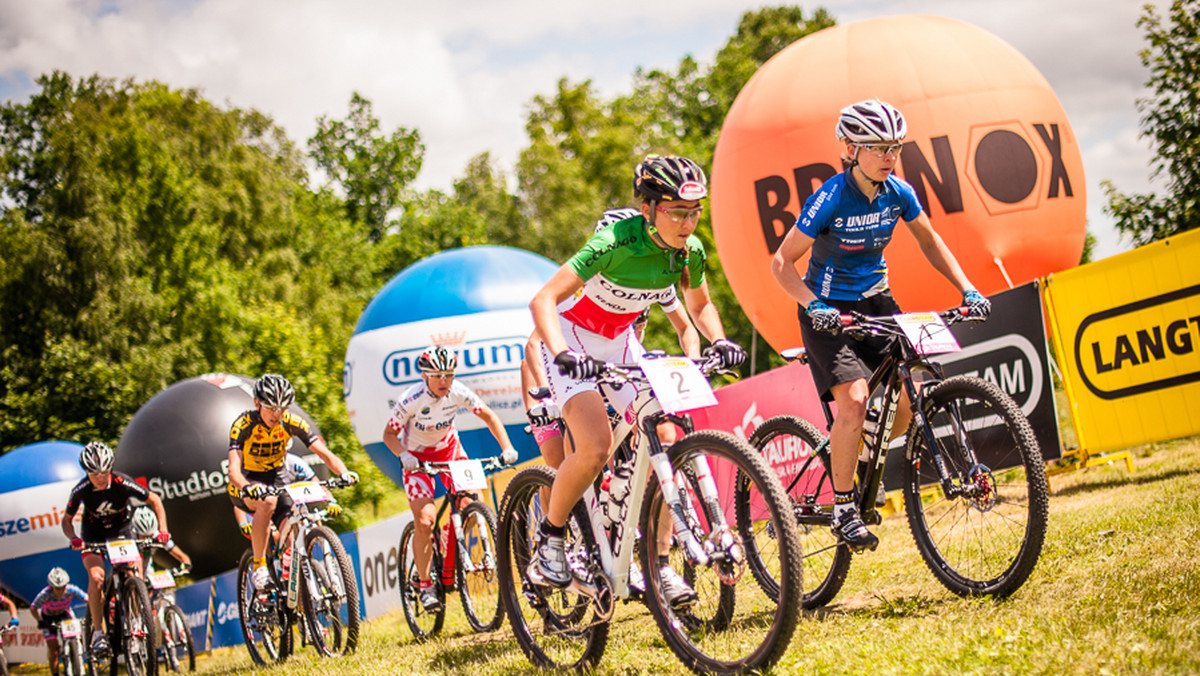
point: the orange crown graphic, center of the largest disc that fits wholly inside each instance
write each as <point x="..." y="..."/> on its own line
<point x="448" y="339"/>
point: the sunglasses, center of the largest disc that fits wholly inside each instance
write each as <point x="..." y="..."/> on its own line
<point x="682" y="214"/>
<point x="884" y="150"/>
<point x="444" y="375"/>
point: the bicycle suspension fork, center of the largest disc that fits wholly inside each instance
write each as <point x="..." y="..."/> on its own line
<point x="666" y="481"/>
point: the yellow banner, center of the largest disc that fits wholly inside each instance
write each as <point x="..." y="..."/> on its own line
<point x="1127" y="333"/>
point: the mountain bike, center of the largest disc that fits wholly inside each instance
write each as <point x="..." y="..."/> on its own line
<point x="128" y="618"/>
<point x="733" y="627"/>
<point x="69" y="632"/>
<point x="5" y="629"/>
<point x="464" y="557"/>
<point x="175" y="638"/>
<point x="974" y="483"/>
<point x="312" y="583"/>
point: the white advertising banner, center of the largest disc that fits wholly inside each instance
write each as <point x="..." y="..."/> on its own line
<point x="378" y="555"/>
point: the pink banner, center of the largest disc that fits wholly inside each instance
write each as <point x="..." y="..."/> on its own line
<point x="744" y="405"/>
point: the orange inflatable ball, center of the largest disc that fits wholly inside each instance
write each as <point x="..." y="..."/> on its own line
<point x="989" y="151"/>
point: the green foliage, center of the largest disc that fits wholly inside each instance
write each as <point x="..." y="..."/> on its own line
<point x="1171" y="117"/>
<point x="372" y="169"/>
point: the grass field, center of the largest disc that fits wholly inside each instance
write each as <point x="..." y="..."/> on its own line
<point x="1117" y="591"/>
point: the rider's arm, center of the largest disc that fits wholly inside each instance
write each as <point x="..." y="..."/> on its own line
<point x="783" y="266"/>
<point x="544" y="307"/>
<point x="704" y="312"/>
<point x="331" y="461"/>
<point x="689" y="338"/>
<point x="236" y="478"/>
<point x="157" y="504"/>
<point x="180" y="555"/>
<point x="938" y="254"/>
<point x="391" y="439"/>
<point x="532" y="373"/>
<point x="12" y="607"/>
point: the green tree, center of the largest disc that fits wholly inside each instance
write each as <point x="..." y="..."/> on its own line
<point x="372" y="169"/>
<point x="583" y="148"/>
<point x="1171" y="117"/>
<point x="150" y="237"/>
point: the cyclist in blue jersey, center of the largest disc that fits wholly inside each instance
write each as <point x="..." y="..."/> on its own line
<point x="585" y="316"/>
<point x="845" y="225"/>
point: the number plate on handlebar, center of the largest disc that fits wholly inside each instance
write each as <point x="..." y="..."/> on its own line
<point x="304" y="492"/>
<point x="162" y="579"/>
<point x="467" y="475"/>
<point x="123" y="551"/>
<point x="678" y="384"/>
<point x="928" y="333"/>
<point x="70" y="628"/>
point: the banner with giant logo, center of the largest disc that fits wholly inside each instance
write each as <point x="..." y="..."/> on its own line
<point x="226" y="621"/>
<point x="1128" y="331"/>
<point x="473" y="301"/>
<point x="378" y="564"/>
<point x="1009" y="351"/>
<point x="989" y="151"/>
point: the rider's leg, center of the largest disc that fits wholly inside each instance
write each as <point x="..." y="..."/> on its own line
<point x="52" y="655"/>
<point x="424" y="512"/>
<point x="588" y="440"/>
<point x="94" y="563"/>
<point x="260" y="527"/>
<point x="844" y="437"/>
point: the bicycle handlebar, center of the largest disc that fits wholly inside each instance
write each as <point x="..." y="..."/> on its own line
<point x="334" y="482"/>
<point x="859" y="323"/>
<point x="492" y="464"/>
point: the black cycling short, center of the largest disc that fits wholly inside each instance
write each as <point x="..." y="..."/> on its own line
<point x="838" y="358"/>
<point x="271" y="477"/>
<point x="121" y="531"/>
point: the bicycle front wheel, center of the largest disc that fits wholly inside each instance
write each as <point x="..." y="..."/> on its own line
<point x="555" y="628"/>
<point x="330" y="595"/>
<point x="758" y="628"/>
<point x="178" y="642"/>
<point x="140" y="656"/>
<point x="421" y="622"/>
<point x="980" y="524"/>
<point x="265" y="625"/>
<point x="789" y="444"/>
<point x="478" y="584"/>
<point x="73" y="656"/>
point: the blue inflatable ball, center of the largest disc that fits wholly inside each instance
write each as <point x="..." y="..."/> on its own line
<point x="474" y="301"/>
<point x="35" y="483"/>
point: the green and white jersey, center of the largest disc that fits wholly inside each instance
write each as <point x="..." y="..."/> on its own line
<point x="624" y="273"/>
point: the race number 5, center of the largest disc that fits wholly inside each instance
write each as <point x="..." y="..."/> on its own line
<point x="123" y="551"/>
<point x="678" y="383"/>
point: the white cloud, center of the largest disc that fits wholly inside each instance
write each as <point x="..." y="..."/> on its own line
<point x="462" y="72"/>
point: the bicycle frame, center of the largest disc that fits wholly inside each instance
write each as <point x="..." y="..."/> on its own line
<point x="647" y="453"/>
<point x="300" y="521"/>
<point x="450" y="502"/>
<point x="896" y="375"/>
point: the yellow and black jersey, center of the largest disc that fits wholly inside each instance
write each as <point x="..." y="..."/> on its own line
<point x="264" y="448"/>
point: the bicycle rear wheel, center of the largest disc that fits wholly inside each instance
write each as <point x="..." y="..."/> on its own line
<point x="141" y="658"/>
<point x="981" y="530"/>
<point x="331" y="600"/>
<point x="789" y="444"/>
<point x="759" y="626"/>
<point x="479" y="588"/>
<point x="421" y="622"/>
<point x="179" y="646"/>
<point x="265" y="625"/>
<point x="555" y="628"/>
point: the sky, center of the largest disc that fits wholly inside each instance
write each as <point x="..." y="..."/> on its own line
<point x="462" y="72"/>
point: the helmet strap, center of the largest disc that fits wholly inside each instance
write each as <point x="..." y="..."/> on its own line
<point x="652" y="231"/>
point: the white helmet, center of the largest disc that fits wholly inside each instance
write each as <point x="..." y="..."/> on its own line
<point x="58" y="577"/>
<point x="871" y="122"/>
<point x="96" y="457"/>
<point x="614" y="216"/>
<point x="145" y="521"/>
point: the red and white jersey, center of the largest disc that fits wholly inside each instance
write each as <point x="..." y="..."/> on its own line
<point x="422" y="421"/>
